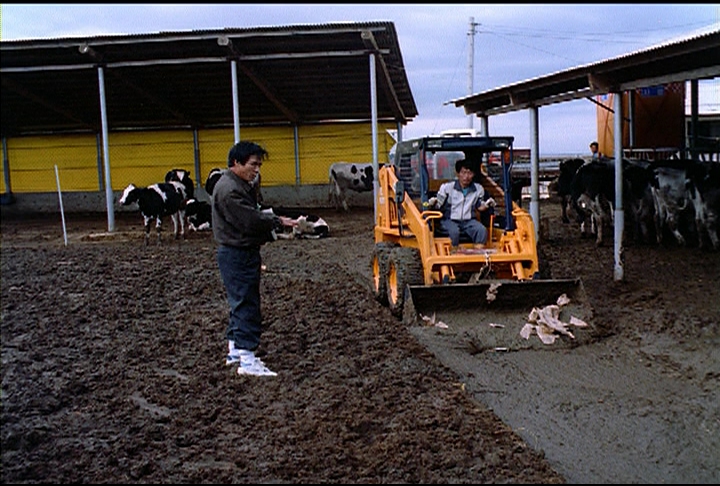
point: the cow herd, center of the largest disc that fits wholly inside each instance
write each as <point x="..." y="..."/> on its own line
<point x="175" y="198"/>
<point x="677" y="199"/>
<point x="161" y="200"/>
<point x="670" y="200"/>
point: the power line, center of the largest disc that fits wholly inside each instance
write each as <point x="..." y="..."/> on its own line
<point x="510" y="39"/>
<point x="511" y="34"/>
<point x="514" y="30"/>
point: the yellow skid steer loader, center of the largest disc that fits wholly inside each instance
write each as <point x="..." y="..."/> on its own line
<point x="420" y="276"/>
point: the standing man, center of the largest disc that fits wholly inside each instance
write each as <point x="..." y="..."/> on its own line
<point x="459" y="201"/>
<point x="240" y="228"/>
<point x="595" y="151"/>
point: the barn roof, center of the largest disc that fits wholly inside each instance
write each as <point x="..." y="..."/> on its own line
<point x="696" y="56"/>
<point x="285" y="75"/>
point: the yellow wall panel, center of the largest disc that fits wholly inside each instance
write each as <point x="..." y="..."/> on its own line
<point x="32" y="162"/>
<point x="323" y="145"/>
<point x="144" y="157"/>
<point x="278" y="169"/>
<point x="214" y="145"/>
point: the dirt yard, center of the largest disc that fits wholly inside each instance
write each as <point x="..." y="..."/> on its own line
<point x="113" y="368"/>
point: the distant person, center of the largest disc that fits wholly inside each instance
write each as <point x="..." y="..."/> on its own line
<point x="595" y="151"/>
<point x="240" y="229"/>
<point x="460" y="201"/>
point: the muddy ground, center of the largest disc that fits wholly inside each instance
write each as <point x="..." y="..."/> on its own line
<point x="113" y="368"/>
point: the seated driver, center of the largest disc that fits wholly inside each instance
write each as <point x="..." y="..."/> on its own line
<point x="460" y="201"/>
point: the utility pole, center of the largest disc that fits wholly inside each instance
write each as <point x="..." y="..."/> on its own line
<point x="471" y="69"/>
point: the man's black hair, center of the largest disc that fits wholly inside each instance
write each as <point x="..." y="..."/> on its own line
<point x="242" y="151"/>
<point x="460" y="163"/>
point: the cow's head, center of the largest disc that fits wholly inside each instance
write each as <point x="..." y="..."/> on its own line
<point x="311" y="227"/>
<point x="182" y="176"/>
<point x="212" y="179"/>
<point x="198" y="214"/>
<point x="129" y="195"/>
<point x="567" y="170"/>
<point x="303" y="225"/>
<point x="181" y="189"/>
<point x="364" y="179"/>
<point x="192" y="207"/>
<point x="179" y="175"/>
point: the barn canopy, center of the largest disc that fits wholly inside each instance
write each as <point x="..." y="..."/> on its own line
<point x="285" y="75"/>
<point x="691" y="58"/>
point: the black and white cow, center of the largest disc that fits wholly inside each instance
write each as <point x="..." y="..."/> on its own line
<point x="593" y="197"/>
<point x="199" y="215"/>
<point x="708" y="216"/>
<point x="212" y="179"/>
<point x="348" y="176"/>
<point x="673" y="201"/>
<point x="687" y="201"/>
<point x="567" y="170"/>
<point x="182" y="176"/>
<point x="301" y="224"/>
<point x="156" y="202"/>
<point x="637" y="194"/>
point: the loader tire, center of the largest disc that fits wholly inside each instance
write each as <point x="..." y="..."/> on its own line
<point x="404" y="268"/>
<point x="378" y="264"/>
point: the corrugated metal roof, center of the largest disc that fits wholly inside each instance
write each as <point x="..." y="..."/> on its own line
<point x="286" y="75"/>
<point x="696" y="56"/>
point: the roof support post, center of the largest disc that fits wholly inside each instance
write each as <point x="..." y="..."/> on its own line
<point x="296" y="152"/>
<point x="106" y="152"/>
<point x="619" y="218"/>
<point x="196" y="157"/>
<point x="99" y="161"/>
<point x="694" y="109"/>
<point x="374" y="116"/>
<point x="484" y="126"/>
<point x="6" y="167"/>
<point x="631" y="117"/>
<point x="534" y="171"/>
<point x="236" y="102"/>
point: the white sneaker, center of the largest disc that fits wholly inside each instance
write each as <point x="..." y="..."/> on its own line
<point x="233" y="356"/>
<point x="254" y="367"/>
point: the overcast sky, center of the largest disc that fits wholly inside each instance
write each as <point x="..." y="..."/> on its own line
<point x="511" y="43"/>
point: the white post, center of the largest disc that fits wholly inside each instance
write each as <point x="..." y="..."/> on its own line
<point x="62" y="211"/>
<point x="373" y="108"/>
<point x="106" y="153"/>
<point x="619" y="219"/>
<point x="236" y="102"/>
<point x="484" y="130"/>
<point x="534" y="171"/>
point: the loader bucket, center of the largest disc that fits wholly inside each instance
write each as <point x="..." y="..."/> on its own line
<point x="492" y="315"/>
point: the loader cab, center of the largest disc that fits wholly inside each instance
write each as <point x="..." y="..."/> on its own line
<point x="423" y="164"/>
